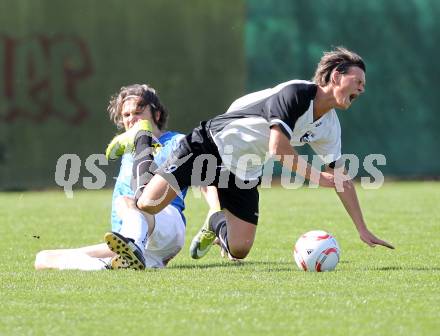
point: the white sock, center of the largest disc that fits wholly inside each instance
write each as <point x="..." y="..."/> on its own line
<point x="135" y="226"/>
<point x="81" y="261"/>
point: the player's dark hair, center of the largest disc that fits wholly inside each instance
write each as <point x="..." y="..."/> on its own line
<point x="148" y="97"/>
<point x="339" y="59"/>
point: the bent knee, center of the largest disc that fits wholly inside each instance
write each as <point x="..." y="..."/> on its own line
<point x="239" y="252"/>
<point x="149" y="207"/>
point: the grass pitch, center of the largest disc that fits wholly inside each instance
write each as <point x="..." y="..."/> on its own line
<point x="372" y="292"/>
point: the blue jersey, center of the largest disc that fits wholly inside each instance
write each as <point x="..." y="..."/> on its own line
<point x="167" y="144"/>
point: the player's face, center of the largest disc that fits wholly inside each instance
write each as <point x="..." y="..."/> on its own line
<point x="131" y="114"/>
<point x="348" y="87"/>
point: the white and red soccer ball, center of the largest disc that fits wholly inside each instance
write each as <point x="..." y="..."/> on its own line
<point x="316" y="251"/>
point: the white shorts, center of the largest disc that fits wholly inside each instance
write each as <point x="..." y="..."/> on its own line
<point x="167" y="239"/>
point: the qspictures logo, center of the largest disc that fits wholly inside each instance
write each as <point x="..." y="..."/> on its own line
<point x="40" y="78"/>
<point x="205" y="171"/>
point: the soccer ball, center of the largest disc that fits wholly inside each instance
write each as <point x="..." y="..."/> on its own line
<point x="316" y="251"/>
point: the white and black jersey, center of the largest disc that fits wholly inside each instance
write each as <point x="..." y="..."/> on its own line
<point x="242" y="133"/>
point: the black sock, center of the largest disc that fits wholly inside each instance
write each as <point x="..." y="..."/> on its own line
<point x="217" y="223"/>
<point x="143" y="164"/>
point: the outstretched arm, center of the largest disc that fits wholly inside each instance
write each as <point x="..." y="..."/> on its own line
<point x="279" y="146"/>
<point x="350" y="201"/>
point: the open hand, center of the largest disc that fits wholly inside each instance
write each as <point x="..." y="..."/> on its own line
<point x="370" y="239"/>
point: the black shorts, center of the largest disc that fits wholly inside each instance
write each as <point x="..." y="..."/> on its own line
<point x="196" y="162"/>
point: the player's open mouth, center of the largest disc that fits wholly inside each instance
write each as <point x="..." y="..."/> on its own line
<point x="352" y="97"/>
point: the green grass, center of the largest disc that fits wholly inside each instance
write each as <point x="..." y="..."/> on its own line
<point x="372" y="292"/>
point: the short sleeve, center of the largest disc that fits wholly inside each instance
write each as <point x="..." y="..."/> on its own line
<point x="281" y="109"/>
<point x="287" y="105"/>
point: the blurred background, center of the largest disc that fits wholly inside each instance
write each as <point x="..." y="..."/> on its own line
<point x="61" y="61"/>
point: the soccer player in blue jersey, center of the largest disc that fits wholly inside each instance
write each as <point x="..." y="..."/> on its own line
<point x="158" y="238"/>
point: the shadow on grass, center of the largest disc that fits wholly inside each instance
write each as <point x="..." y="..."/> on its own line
<point x="400" y="268"/>
<point x="274" y="266"/>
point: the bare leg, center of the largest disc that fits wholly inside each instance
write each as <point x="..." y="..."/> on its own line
<point x="96" y="251"/>
<point x="156" y="196"/>
<point x="211" y="197"/>
<point x="240" y="235"/>
<point x="234" y="235"/>
<point x="86" y="258"/>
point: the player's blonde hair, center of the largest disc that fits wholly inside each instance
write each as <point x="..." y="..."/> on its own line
<point x="148" y="97"/>
<point x="339" y="59"/>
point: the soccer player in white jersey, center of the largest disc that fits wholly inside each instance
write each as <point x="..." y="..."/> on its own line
<point x="160" y="237"/>
<point x="275" y="121"/>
